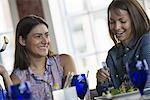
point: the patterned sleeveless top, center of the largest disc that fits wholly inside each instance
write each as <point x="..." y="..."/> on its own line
<point x="41" y="86"/>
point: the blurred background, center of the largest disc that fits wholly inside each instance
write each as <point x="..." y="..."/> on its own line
<point x="77" y="27"/>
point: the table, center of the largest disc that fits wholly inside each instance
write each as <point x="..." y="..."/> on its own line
<point x="125" y="96"/>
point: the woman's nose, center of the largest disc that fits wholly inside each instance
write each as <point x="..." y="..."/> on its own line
<point x="45" y="39"/>
<point x="117" y="26"/>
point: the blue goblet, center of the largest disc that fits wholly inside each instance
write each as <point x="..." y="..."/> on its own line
<point x="80" y="82"/>
<point x="20" y="91"/>
<point x="138" y="71"/>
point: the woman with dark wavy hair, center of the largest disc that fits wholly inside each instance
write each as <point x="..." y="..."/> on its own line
<point x="34" y="60"/>
<point x="129" y="28"/>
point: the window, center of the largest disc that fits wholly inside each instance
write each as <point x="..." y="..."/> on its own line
<point x="6" y="29"/>
<point x="81" y="29"/>
<point x="147" y="6"/>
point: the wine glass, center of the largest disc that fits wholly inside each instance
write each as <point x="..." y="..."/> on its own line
<point x="20" y="91"/>
<point x="138" y="71"/>
<point x="80" y="82"/>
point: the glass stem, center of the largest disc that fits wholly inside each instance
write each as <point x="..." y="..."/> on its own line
<point x="141" y="91"/>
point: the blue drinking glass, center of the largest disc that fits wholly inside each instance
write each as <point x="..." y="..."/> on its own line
<point x="20" y="91"/>
<point x="3" y="94"/>
<point x="80" y="82"/>
<point x="138" y="71"/>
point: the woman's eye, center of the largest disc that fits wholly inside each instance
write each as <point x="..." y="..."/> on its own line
<point x="47" y="35"/>
<point x="123" y="21"/>
<point x="38" y="36"/>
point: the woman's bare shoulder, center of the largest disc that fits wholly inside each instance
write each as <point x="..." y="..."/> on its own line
<point x="67" y="63"/>
<point x="65" y="56"/>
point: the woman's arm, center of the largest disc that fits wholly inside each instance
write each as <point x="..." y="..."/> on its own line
<point x="145" y="54"/>
<point x="67" y="63"/>
<point x="101" y="85"/>
<point x="6" y="77"/>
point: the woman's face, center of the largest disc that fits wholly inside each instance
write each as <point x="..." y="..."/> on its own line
<point x="120" y="25"/>
<point x="37" y="41"/>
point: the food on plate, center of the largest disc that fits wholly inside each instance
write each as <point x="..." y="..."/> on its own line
<point x="123" y="89"/>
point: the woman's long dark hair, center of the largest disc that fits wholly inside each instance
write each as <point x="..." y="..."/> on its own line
<point x="24" y="26"/>
<point x="139" y="19"/>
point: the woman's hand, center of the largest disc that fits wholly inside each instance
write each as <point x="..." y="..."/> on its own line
<point x="102" y="75"/>
<point x="6" y="77"/>
<point x="3" y="71"/>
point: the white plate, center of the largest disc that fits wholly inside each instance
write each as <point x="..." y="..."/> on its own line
<point x="135" y="95"/>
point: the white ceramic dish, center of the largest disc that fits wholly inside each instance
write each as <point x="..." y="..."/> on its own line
<point x="124" y="96"/>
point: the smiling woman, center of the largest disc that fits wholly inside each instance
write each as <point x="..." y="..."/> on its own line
<point x="129" y="28"/>
<point x="37" y="41"/>
<point x="34" y="60"/>
<point x="120" y="25"/>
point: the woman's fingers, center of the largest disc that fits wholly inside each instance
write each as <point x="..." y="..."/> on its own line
<point x="102" y="75"/>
